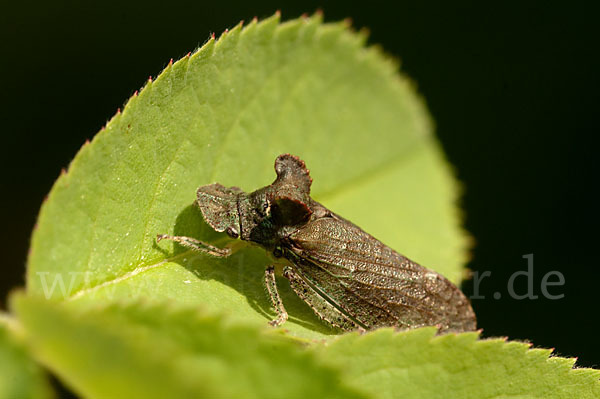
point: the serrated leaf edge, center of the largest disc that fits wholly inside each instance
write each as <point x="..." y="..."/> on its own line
<point x="428" y="335"/>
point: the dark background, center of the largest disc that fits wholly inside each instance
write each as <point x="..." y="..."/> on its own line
<point x="513" y="89"/>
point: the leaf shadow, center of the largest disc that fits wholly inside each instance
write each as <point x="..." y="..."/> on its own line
<point x="243" y="271"/>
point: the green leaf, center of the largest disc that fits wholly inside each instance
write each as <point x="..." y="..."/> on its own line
<point x="20" y="376"/>
<point x="417" y="364"/>
<point x="146" y="351"/>
<point x="222" y="115"/>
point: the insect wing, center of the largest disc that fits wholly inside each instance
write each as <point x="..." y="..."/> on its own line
<point x="373" y="283"/>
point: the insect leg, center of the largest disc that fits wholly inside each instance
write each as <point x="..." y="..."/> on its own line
<point x="282" y="315"/>
<point x="325" y="310"/>
<point x="196" y="245"/>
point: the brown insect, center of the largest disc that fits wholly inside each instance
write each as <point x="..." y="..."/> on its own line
<point x="350" y="279"/>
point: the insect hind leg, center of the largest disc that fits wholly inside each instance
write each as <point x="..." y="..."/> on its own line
<point x="325" y="310"/>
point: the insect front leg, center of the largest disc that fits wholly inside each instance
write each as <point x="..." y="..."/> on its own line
<point x="196" y="245"/>
<point x="325" y="310"/>
<point x="271" y="284"/>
